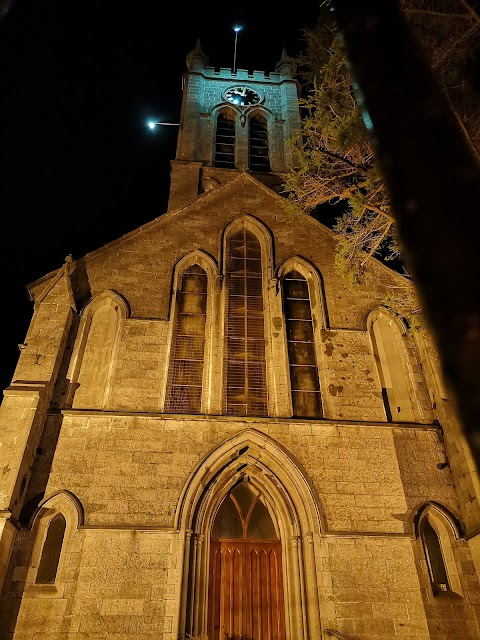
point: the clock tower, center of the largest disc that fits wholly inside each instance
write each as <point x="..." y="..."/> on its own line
<point x="232" y="122"/>
<point x="208" y="434"/>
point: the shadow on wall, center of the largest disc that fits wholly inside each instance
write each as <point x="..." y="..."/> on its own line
<point x="21" y="557"/>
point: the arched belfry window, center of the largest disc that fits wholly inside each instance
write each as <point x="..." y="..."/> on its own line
<point x="245" y="363"/>
<point x="52" y="548"/>
<point x="434" y="556"/>
<point x="225" y="140"/>
<point x="304" y="379"/>
<point x="258" y="144"/>
<point x="185" y="379"/>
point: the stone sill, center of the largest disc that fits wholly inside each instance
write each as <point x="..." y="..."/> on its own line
<point x="244" y="419"/>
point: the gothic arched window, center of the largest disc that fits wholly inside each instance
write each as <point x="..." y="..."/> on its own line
<point x="392" y="362"/>
<point x="440" y="535"/>
<point x="245" y="363"/>
<point x="304" y="379"/>
<point x="258" y="144"/>
<point x="185" y="381"/>
<point x="434" y="556"/>
<point x="225" y="140"/>
<point x="94" y="361"/>
<point x="52" y="548"/>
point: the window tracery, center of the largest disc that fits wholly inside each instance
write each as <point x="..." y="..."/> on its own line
<point x="245" y="361"/>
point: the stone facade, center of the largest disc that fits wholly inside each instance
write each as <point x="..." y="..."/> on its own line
<point x="354" y="493"/>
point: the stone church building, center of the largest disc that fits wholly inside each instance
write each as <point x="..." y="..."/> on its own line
<point x="208" y="434"/>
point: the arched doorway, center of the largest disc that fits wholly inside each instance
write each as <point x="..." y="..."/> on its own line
<point x="245" y="576"/>
<point x="284" y="490"/>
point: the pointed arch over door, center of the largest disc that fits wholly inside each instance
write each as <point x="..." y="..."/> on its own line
<point x="253" y="460"/>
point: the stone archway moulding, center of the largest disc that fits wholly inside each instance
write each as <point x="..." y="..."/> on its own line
<point x="295" y="510"/>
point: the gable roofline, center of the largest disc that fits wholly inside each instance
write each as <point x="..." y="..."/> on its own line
<point x="151" y="223"/>
<point x="244" y="175"/>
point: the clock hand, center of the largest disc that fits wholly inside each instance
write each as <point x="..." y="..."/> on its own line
<point x="243" y="92"/>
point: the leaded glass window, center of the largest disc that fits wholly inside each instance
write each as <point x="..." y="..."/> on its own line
<point x="305" y="385"/>
<point x="245" y="385"/>
<point x="185" y="380"/>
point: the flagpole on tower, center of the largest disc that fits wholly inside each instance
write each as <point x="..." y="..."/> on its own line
<point x="236" y="29"/>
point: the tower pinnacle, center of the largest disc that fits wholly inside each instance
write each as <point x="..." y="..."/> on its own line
<point x="196" y="59"/>
<point x="286" y="66"/>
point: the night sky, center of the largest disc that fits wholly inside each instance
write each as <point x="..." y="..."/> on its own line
<point x="78" y="82"/>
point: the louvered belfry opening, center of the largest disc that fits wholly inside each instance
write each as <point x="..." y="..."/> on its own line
<point x="306" y="397"/>
<point x="258" y="148"/>
<point x="245" y="388"/>
<point x="225" y="141"/>
<point x="184" y="390"/>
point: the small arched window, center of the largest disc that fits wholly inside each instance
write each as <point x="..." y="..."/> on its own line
<point x="440" y="536"/>
<point x="258" y="147"/>
<point x="52" y="548"/>
<point x="245" y="386"/>
<point x="225" y="140"/>
<point x="304" y="379"/>
<point x="434" y="556"/>
<point x="185" y="380"/>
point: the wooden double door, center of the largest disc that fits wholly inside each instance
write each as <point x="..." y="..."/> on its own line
<point x="246" y="590"/>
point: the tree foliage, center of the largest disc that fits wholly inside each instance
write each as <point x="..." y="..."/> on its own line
<point x="335" y="157"/>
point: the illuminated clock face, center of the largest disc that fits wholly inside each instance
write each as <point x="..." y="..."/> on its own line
<point x="242" y="96"/>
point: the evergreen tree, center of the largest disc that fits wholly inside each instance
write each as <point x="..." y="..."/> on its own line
<point x="335" y="157"/>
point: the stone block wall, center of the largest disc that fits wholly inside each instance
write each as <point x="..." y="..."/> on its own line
<point x="123" y="569"/>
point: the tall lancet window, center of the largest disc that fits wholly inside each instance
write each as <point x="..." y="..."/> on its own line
<point x="245" y="388"/>
<point x="434" y="556"/>
<point x="258" y="148"/>
<point x="306" y="397"/>
<point x="184" y="390"/>
<point x="225" y="140"/>
<point x="52" y="548"/>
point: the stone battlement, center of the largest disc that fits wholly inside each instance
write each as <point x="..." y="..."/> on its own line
<point x="241" y="74"/>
